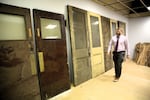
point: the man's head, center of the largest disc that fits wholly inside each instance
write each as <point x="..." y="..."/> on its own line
<point x="119" y="31"/>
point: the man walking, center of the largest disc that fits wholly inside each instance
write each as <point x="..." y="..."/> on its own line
<point x="120" y="48"/>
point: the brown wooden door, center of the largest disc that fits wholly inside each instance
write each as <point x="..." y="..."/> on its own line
<point x="17" y="81"/>
<point x="52" y="53"/>
<point x="106" y="31"/>
<point x="113" y="26"/>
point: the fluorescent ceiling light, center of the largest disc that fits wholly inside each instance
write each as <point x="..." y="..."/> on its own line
<point x="51" y="26"/>
<point x="148" y="8"/>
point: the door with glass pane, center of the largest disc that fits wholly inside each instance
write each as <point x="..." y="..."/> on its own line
<point x="80" y="46"/>
<point x="96" y="44"/>
<point x="52" y="53"/>
<point x="114" y="26"/>
<point x="123" y="26"/>
<point x="17" y="79"/>
<point x="106" y="31"/>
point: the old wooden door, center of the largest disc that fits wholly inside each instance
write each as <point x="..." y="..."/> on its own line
<point x="80" y="45"/>
<point x="114" y="26"/>
<point x="123" y="26"/>
<point x="17" y="80"/>
<point x="52" y="53"/>
<point x="96" y="44"/>
<point x="106" y="31"/>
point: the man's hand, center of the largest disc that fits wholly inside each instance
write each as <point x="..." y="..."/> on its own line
<point x="128" y="57"/>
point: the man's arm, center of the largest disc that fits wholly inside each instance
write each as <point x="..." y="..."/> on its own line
<point x="127" y="47"/>
<point x="109" y="47"/>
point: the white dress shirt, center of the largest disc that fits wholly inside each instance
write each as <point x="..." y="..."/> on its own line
<point x="122" y="44"/>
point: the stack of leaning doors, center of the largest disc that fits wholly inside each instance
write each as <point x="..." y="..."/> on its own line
<point x="142" y="54"/>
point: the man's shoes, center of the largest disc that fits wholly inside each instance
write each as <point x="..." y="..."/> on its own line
<point x="116" y="80"/>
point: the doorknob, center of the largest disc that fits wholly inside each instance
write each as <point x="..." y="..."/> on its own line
<point x="89" y="52"/>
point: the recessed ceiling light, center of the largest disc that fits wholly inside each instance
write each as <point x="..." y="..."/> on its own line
<point x="148" y="8"/>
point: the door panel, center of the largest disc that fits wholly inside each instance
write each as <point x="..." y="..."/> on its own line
<point x="98" y="59"/>
<point x="94" y="24"/>
<point x="123" y="26"/>
<point x="106" y="31"/>
<point x="81" y="72"/>
<point x="50" y="26"/>
<point x="16" y="25"/>
<point x="80" y="46"/>
<point x="114" y="26"/>
<point x="16" y="48"/>
<point x="51" y="42"/>
<point x="96" y="45"/>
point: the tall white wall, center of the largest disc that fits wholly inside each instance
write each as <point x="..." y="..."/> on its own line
<point x="48" y="5"/>
<point x="94" y="7"/>
<point x="139" y="31"/>
<point x="89" y="5"/>
<point x="59" y="6"/>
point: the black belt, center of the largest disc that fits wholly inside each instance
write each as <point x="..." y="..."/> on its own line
<point x="119" y="52"/>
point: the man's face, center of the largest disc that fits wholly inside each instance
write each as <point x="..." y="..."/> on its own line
<point x="118" y="32"/>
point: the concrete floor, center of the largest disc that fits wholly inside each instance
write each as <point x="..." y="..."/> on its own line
<point x="134" y="84"/>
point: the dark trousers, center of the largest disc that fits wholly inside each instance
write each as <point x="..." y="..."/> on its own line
<point x="118" y="58"/>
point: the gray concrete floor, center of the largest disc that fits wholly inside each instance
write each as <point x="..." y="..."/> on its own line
<point x="134" y="84"/>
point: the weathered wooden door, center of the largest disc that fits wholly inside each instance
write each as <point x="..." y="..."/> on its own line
<point x="114" y="26"/>
<point x="96" y="44"/>
<point x="123" y="26"/>
<point x="80" y="45"/>
<point x="17" y="80"/>
<point x="106" y="31"/>
<point x="52" y="53"/>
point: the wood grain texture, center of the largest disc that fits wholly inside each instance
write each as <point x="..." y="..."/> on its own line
<point x="15" y="72"/>
<point x="106" y="31"/>
<point x="55" y="78"/>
